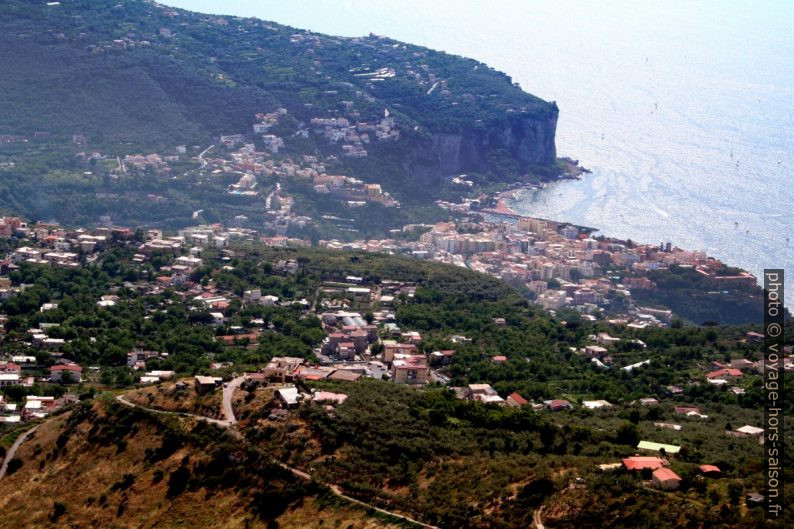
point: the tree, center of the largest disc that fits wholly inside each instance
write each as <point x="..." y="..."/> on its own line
<point x="735" y="490"/>
<point x="627" y="434"/>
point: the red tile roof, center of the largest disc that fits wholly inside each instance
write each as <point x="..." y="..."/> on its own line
<point x="640" y="462"/>
<point x="730" y="372"/>
<point x="665" y="474"/>
<point x="709" y="468"/>
<point x="67" y="367"/>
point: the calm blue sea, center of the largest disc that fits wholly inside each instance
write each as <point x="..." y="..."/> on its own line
<point x="683" y="110"/>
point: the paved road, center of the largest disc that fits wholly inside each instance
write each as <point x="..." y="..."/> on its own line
<point x="536" y="519"/>
<point x="201" y="155"/>
<point x="13" y="450"/>
<point x="228" y="392"/>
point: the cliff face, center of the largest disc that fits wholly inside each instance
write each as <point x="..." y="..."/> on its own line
<point x="529" y="140"/>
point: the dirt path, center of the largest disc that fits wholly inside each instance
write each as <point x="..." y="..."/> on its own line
<point x="228" y="412"/>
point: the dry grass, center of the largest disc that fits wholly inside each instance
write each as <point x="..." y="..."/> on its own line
<point x="81" y="476"/>
<point x="165" y="396"/>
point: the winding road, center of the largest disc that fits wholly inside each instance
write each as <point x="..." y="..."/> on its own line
<point x="536" y="518"/>
<point x="230" y="420"/>
<point x="228" y="392"/>
<point x="13" y="450"/>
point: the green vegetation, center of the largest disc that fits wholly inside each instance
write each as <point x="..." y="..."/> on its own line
<point x="136" y="77"/>
<point x="700" y="299"/>
<point x="424" y="452"/>
<point x="165" y="472"/>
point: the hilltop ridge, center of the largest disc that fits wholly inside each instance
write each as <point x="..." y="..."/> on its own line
<point x="145" y="74"/>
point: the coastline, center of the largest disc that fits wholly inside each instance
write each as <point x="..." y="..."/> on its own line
<point x="569" y="170"/>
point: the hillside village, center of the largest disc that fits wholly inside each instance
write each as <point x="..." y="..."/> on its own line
<point x="362" y="338"/>
<point x="360" y="331"/>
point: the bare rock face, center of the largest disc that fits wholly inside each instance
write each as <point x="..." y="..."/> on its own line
<point x="527" y="139"/>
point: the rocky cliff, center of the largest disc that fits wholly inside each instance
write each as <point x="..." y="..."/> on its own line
<point x="526" y="139"/>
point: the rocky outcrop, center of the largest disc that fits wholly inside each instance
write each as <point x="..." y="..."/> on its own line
<point x="526" y="139"/>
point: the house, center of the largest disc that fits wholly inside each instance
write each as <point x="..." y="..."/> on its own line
<point x="282" y="367"/>
<point x="307" y="372"/>
<point x="29" y="361"/>
<point x="392" y="348"/>
<point x="134" y="357"/>
<point x="666" y="479"/>
<point x="742" y="364"/>
<point x="205" y="384"/>
<point x="52" y="344"/>
<point x="473" y="391"/>
<point x="252" y="296"/>
<point x="289" y="397"/>
<point x="595" y="404"/>
<point x="9" y="379"/>
<point x="37" y="407"/>
<point x="686" y="410"/>
<point x="499" y="359"/>
<point x="345" y="350"/>
<point x="412" y="337"/>
<point x="751" y="430"/>
<point x="482" y="393"/>
<point x="359" y="294"/>
<point x="345" y="375"/>
<point x="160" y="374"/>
<point x="515" y="400"/>
<point x="66" y="373"/>
<point x="409" y="369"/>
<point x="754" y="337"/>
<point x="729" y="374"/>
<point x="558" y="404"/>
<point x="441" y="358"/>
<point x="9" y="367"/>
<point x="605" y="339"/>
<point x="642" y="462"/>
<point x="328" y="397"/>
<point x="595" y="351"/>
<point x="710" y="470"/>
<point x="656" y="447"/>
<point x="217" y="318"/>
<point x="491" y="399"/>
<point x="648" y="401"/>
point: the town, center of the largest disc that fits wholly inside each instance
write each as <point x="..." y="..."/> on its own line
<point x="361" y="337"/>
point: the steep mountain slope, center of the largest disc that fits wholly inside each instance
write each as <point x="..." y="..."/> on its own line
<point x="163" y="474"/>
<point x="136" y="72"/>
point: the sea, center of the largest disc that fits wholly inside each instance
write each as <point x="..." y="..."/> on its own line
<point x="683" y="110"/>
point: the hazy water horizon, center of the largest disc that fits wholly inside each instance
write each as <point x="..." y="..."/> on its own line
<point x="684" y="111"/>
